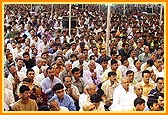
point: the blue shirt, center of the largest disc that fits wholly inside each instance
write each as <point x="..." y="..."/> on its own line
<point x="47" y="85"/>
<point x="66" y="102"/>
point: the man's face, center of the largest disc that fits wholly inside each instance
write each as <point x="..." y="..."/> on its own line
<point x="26" y="83"/>
<point x="25" y="95"/>
<point x="104" y="64"/>
<point x="20" y="63"/>
<point x="161" y="101"/>
<point x="67" y="82"/>
<point x="131" y="76"/>
<point x="60" y="93"/>
<point x="10" y="58"/>
<point x="92" y="90"/>
<point x="50" y="73"/>
<point x="146" y="77"/>
<point x="160" y="84"/>
<point x="114" y="66"/>
<point x="54" y="105"/>
<point x="139" y="90"/>
<point x="77" y="74"/>
<point x="96" y="105"/>
<point x="68" y="67"/>
<point x="31" y="75"/>
<point x="125" y="83"/>
<point x="142" y="107"/>
<point x="26" y="57"/>
<point x="155" y="107"/>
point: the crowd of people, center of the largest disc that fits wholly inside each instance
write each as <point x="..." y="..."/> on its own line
<point x="46" y="69"/>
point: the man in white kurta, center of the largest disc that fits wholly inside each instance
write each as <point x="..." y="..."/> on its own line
<point x="122" y="100"/>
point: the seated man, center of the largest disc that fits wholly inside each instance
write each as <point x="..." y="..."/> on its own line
<point x="63" y="99"/>
<point x="139" y="104"/>
<point x="153" y="104"/>
<point x="25" y="103"/>
<point x="54" y="106"/>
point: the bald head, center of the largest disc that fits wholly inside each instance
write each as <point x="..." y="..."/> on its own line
<point x="88" y="106"/>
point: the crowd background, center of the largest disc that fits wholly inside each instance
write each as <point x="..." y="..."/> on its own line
<point x="46" y="69"/>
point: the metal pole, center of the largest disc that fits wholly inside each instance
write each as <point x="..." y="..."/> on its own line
<point x="31" y="7"/>
<point x="69" y="19"/>
<point x="160" y="22"/>
<point x="99" y="8"/>
<point x="108" y="28"/>
<point x="51" y="10"/>
<point x="152" y="9"/>
<point x="124" y="10"/>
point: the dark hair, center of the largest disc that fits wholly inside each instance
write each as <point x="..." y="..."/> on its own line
<point x="25" y="53"/>
<point x="145" y="71"/>
<point x="113" y="52"/>
<point x="26" y="80"/>
<point x="129" y="71"/>
<point x="150" y="62"/>
<point x="95" y="98"/>
<point x="65" y="77"/>
<point x="130" y="51"/>
<point x="48" y="69"/>
<point x="103" y="60"/>
<point x="24" y="88"/>
<point x="57" y="57"/>
<point x="138" y="101"/>
<point x="150" y="102"/>
<point x="113" y="61"/>
<point x="136" y="61"/>
<point x="159" y="78"/>
<point x="36" y="86"/>
<point x="102" y="49"/>
<point x="58" y="86"/>
<point x="84" y="50"/>
<point x="44" y="108"/>
<point x="7" y="55"/>
<point x="156" y="96"/>
<point x="111" y="73"/>
<point x="123" y="59"/>
<point x="100" y="92"/>
<point x="75" y="69"/>
<point x="28" y="70"/>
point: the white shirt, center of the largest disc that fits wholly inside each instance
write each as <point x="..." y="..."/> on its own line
<point x="21" y="76"/>
<point x="83" y="98"/>
<point x="88" y="79"/>
<point x="8" y="97"/>
<point x="40" y="77"/>
<point x="41" y="47"/>
<point x="122" y="100"/>
<point x="8" y="84"/>
<point x="76" y="64"/>
<point x="23" y="69"/>
<point x="131" y="60"/>
<point x="36" y="70"/>
<point x="69" y="52"/>
<point x="124" y="69"/>
<point x="63" y="108"/>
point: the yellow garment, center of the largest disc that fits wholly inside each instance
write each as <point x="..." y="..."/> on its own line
<point x="105" y="75"/>
<point x="146" y="88"/>
<point x="31" y="106"/>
